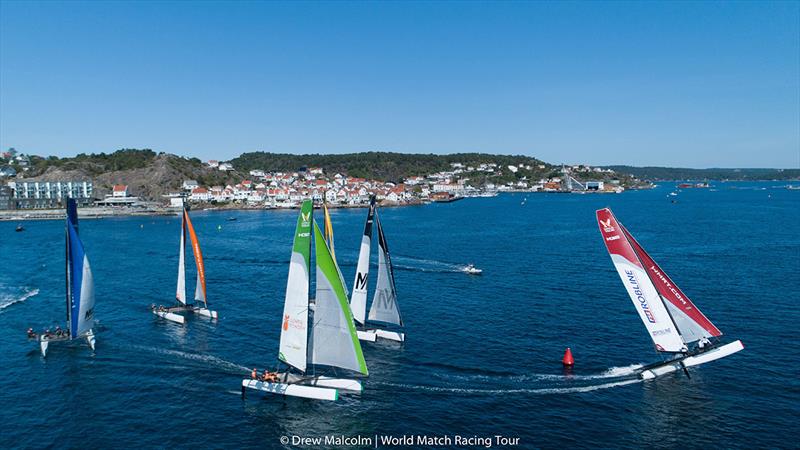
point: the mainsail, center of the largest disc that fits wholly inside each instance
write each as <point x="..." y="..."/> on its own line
<point x="180" y="294"/>
<point x="80" y="292"/>
<point x="200" y="285"/>
<point x="640" y="287"/>
<point x="334" y="333"/>
<point x="358" y="301"/>
<point x="384" y="302"/>
<point x="293" y="348"/>
<point x="692" y="324"/>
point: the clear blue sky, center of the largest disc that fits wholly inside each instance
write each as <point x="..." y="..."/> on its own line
<point x="678" y="84"/>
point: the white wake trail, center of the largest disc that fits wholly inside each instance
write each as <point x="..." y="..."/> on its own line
<point x="7" y="301"/>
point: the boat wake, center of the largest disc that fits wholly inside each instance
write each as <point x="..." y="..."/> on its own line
<point x="207" y="360"/>
<point x="411" y="264"/>
<point x="7" y="301"/>
<point x="539" y="383"/>
<point x="500" y="391"/>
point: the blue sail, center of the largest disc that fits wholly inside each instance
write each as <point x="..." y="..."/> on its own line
<point x="81" y="285"/>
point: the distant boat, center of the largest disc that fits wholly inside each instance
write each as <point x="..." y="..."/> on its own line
<point x="231" y="219"/>
<point x="675" y="324"/>
<point x="384" y="310"/>
<point x="332" y="342"/>
<point x="673" y="194"/>
<point x="19" y="228"/>
<point x="471" y="270"/>
<point x="169" y="313"/>
<point x="793" y="187"/>
<point x="80" y="289"/>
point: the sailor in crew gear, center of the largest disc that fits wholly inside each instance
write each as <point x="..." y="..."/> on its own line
<point x="254" y="374"/>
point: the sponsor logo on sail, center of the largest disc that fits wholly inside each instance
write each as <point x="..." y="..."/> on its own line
<point x="613" y="238"/>
<point x="361" y="281"/>
<point x="637" y="291"/>
<point x="607" y="225"/>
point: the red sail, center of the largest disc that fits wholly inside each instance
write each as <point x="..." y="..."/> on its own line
<point x="669" y="290"/>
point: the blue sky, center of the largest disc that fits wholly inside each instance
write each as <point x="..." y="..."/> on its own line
<point x="679" y="84"/>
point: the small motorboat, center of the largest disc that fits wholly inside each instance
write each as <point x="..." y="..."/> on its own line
<point x="231" y="219"/>
<point x="471" y="270"/>
<point x="19" y="228"/>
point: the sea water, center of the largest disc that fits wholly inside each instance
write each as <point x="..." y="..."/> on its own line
<point x="482" y="358"/>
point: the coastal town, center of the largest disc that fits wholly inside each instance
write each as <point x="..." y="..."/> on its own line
<point x="263" y="188"/>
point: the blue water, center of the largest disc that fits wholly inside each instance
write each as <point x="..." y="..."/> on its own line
<point x="483" y="353"/>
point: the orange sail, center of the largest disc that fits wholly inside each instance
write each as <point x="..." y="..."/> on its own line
<point x="200" y="290"/>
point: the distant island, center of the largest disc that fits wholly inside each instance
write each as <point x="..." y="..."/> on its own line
<point x="676" y="173"/>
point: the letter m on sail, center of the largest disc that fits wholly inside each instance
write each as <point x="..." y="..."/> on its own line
<point x="361" y="281"/>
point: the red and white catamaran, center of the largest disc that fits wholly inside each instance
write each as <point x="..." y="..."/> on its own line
<point x="201" y="305"/>
<point x="674" y="323"/>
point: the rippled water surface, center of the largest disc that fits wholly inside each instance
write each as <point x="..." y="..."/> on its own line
<point x="483" y="352"/>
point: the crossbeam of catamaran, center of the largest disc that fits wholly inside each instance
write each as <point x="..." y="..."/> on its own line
<point x="675" y="324"/>
<point x="201" y="305"/>
<point x="384" y="320"/>
<point x="308" y="353"/>
<point x="79" y="292"/>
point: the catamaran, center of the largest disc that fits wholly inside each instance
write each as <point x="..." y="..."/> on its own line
<point x="675" y="324"/>
<point x="332" y="342"/>
<point x="384" y="310"/>
<point x="169" y="313"/>
<point x="80" y="289"/>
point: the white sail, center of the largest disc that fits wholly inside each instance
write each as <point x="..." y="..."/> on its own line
<point x="640" y="288"/>
<point x="293" y="348"/>
<point x="358" y="301"/>
<point x="384" y="302"/>
<point x="335" y="342"/>
<point x="181" y="290"/>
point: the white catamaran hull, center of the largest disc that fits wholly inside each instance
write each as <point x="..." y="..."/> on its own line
<point x="368" y="335"/>
<point x="177" y="318"/>
<point x="342" y="384"/>
<point x="294" y="390"/>
<point x="695" y="360"/>
<point x="205" y="312"/>
<point x="372" y="335"/>
<point x="44" y="342"/>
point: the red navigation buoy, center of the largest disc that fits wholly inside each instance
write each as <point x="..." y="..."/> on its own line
<point x="568" y="360"/>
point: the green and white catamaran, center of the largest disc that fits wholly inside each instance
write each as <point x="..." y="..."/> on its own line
<point x="384" y="312"/>
<point x="315" y="341"/>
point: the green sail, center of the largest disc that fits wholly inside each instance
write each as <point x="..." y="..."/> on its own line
<point x="335" y="340"/>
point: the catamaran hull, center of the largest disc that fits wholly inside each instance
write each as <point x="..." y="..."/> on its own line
<point x="368" y="335"/>
<point x="177" y="318"/>
<point x="205" y="312"/>
<point x="44" y="343"/>
<point x="372" y="335"/>
<point x="293" y="390"/>
<point x="342" y="384"/>
<point x="689" y="361"/>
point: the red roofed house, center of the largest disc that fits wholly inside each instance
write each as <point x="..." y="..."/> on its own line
<point x="119" y="190"/>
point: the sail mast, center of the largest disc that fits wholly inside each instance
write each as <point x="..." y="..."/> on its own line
<point x="328" y="229"/>
<point x="72" y="214"/>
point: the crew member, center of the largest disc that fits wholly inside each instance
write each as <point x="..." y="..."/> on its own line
<point x="254" y="374"/>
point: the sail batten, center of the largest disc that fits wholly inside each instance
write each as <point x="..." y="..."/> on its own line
<point x="358" y="300"/>
<point x="643" y="293"/>
<point x="384" y="302"/>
